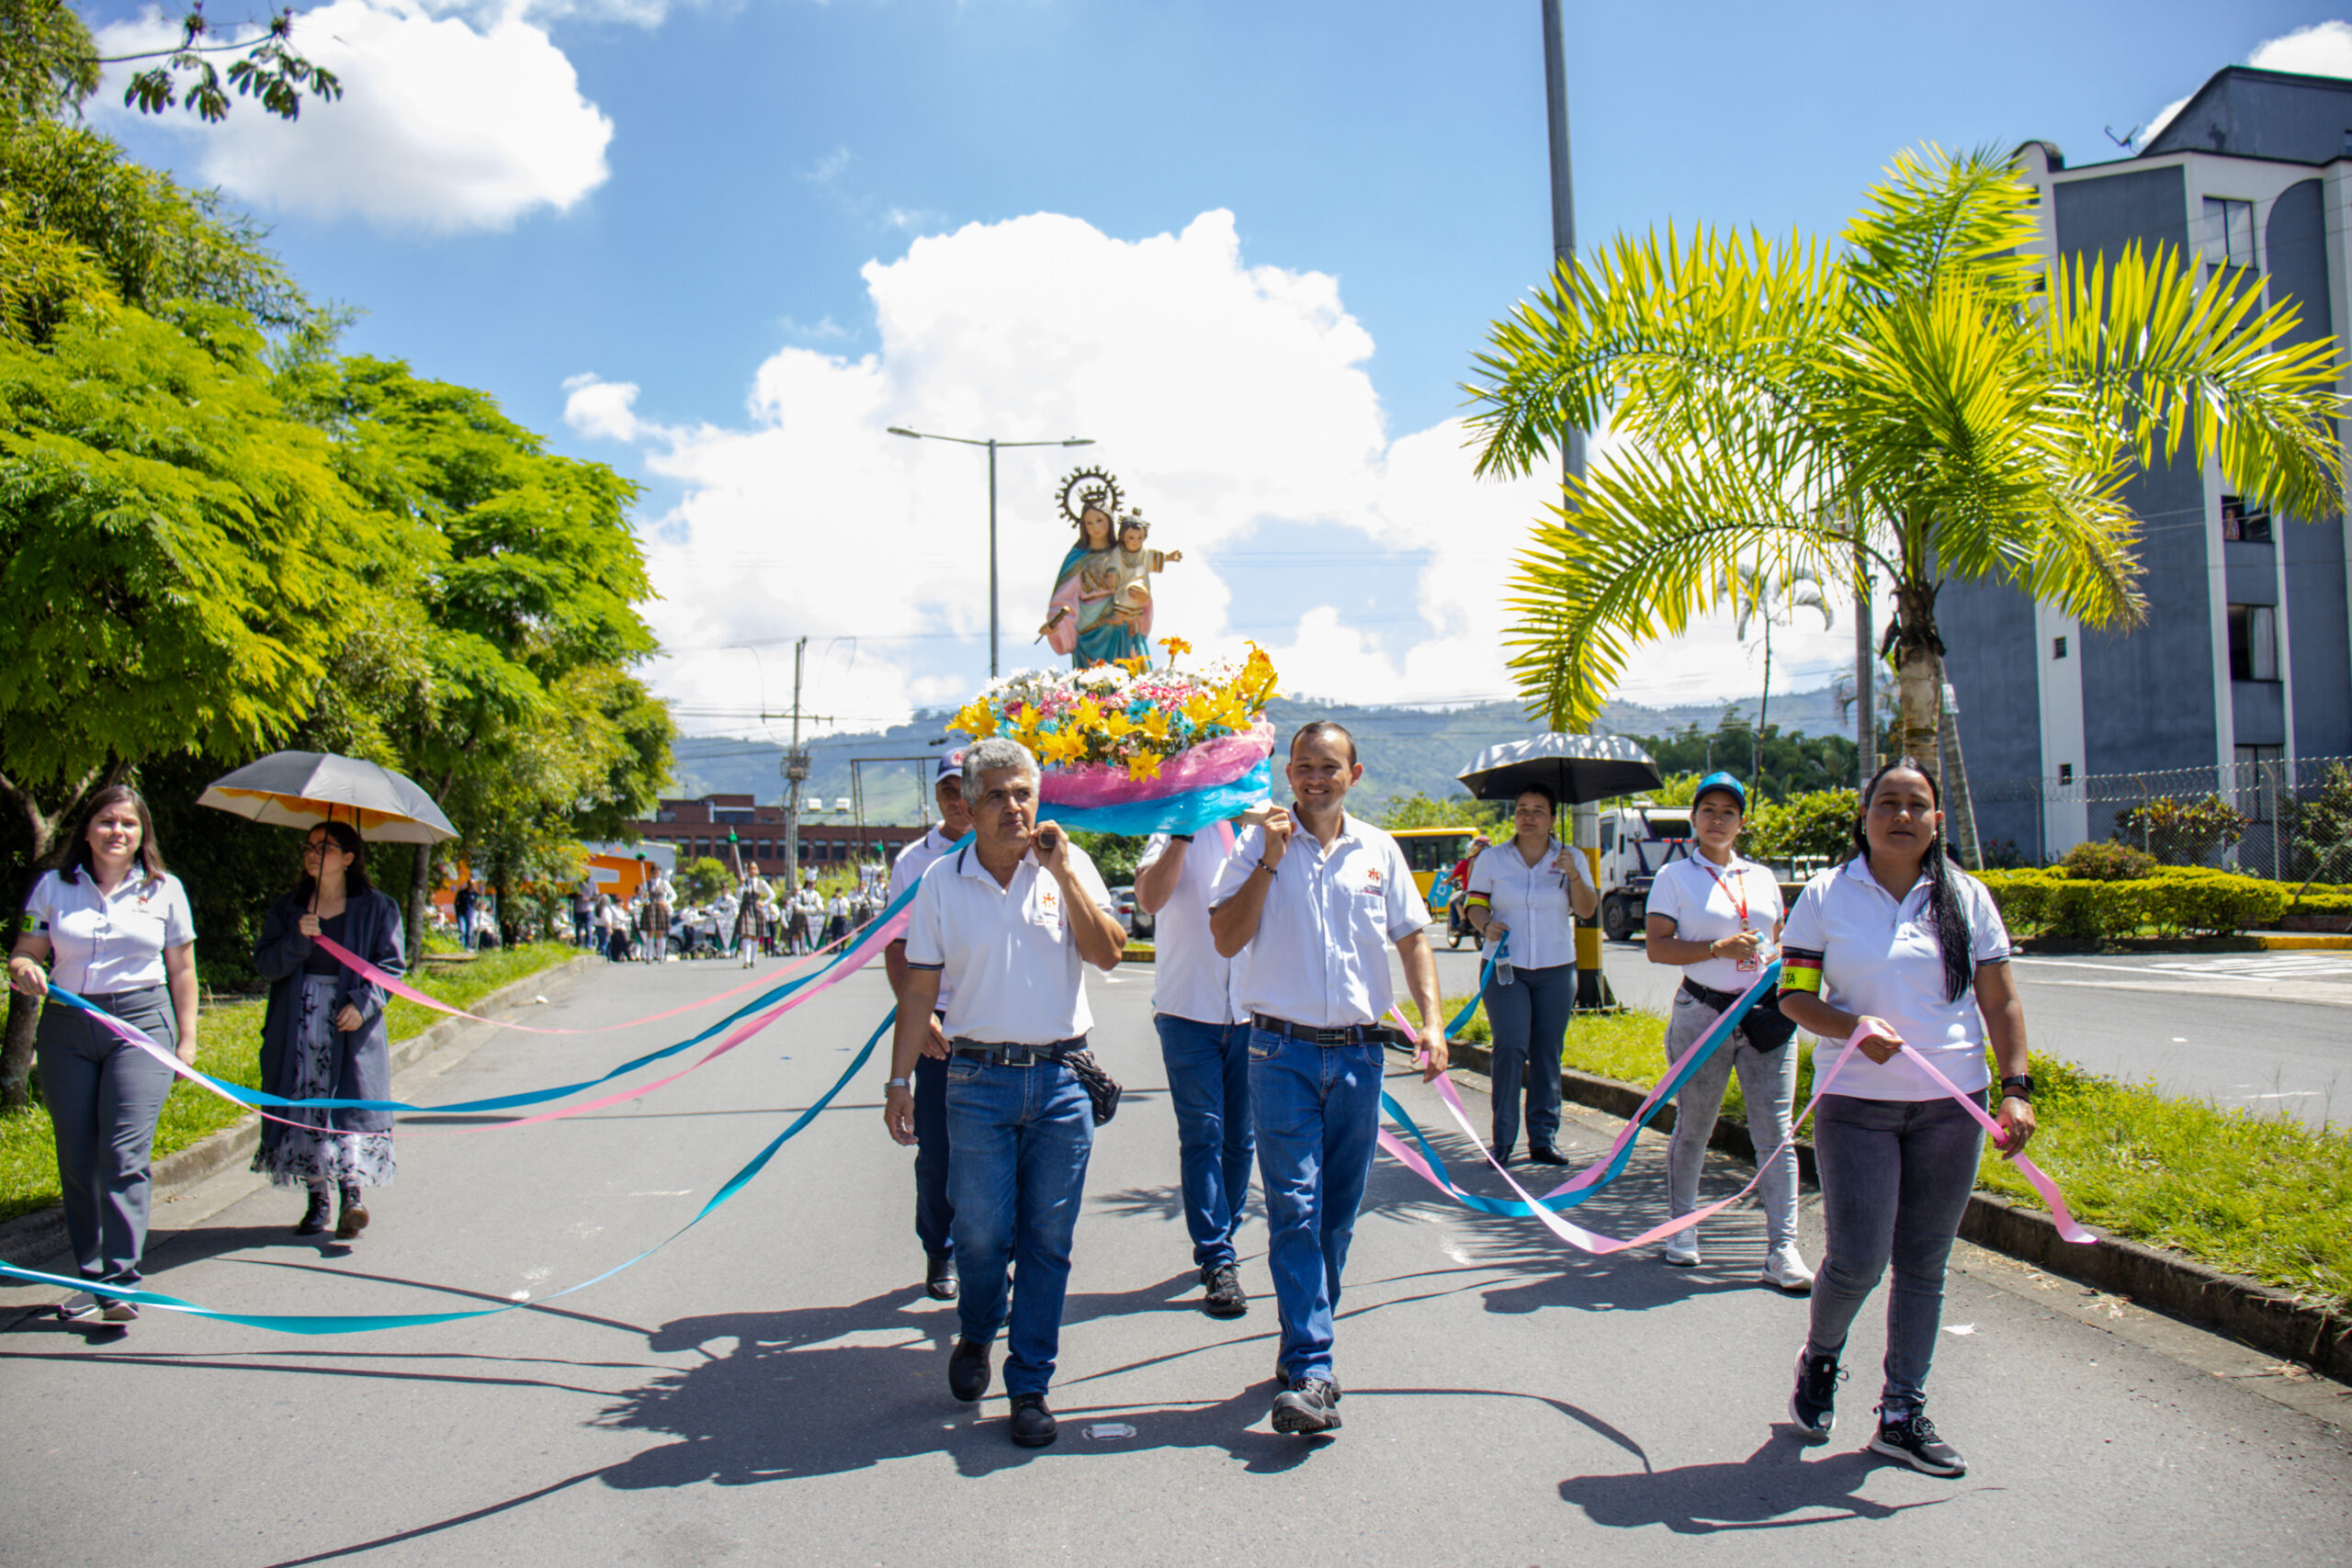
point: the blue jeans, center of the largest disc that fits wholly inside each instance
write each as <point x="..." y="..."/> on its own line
<point x="1021" y="1137"/>
<point x="1895" y="1175"/>
<point x="1317" y="1109"/>
<point x="1530" y="1019"/>
<point x="1209" y="1082"/>
<point x="935" y="1211"/>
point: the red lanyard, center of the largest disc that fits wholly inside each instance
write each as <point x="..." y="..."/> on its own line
<point x="1736" y="889"/>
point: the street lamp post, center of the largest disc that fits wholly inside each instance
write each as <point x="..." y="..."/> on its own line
<point x="991" y="443"/>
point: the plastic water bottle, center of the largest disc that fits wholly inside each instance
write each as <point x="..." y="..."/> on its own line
<point x="1110" y="1431"/>
<point x="1502" y="964"/>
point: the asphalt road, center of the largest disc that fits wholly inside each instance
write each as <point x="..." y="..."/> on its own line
<point x="2268" y="1031"/>
<point x="772" y="1387"/>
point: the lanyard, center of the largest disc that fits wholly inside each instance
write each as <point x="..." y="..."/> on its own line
<point x="1736" y="889"/>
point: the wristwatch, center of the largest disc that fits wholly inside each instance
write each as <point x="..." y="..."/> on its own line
<point x="1181" y="838"/>
<point x="897" y="1083"/>
<point x="2020" y="1087"/>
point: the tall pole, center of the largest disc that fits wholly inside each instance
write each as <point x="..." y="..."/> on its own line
<point x="992" y="593"/>
<point x="1592" y="989"/>
<point x="796" y="772"/>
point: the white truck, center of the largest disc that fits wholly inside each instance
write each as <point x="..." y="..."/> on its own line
<point x="1638" y="840"/>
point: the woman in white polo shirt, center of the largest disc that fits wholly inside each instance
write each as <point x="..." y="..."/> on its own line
<point x="114" y="929"/>
<point x="1902" y="939"/>
<point x="1718" y="917"/>
<point x="1534" y="889"/>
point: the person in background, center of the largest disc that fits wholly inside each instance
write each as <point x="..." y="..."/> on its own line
<point x="934" y="1210"/>
<point x="1904" y="948"/>
<point x="1532" y="889"/>
<point x="1718" y="917"/>
<point x="323" y="1035"/>
<point x="660" y="898"/>
<point x="115" y="928"/>
<point x="464" y="906"/>
<point x="836" y="918"/>
<point x="583" y="914"/>
<point x="1317" y="899"/>
<point x="1009" y="921"/>
<point x="1204" y="1044"/>
<point x="751" y="916"/>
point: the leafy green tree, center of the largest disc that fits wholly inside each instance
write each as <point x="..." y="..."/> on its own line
<point x="1762" y="597"/>
<point x="50" y="65"/>
<point x="701" y="879"/>
<point x="1819" y="822"/>
<point x="1936" y="401"/>
<point x="1417" y="810"/>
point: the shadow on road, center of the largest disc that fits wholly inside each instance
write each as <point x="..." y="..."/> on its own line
<point x="1760" y="1492"/>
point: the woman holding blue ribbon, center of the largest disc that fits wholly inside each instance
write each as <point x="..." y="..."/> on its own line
<point x="1904" y="956"/>
<point x="1718" y="916"/>
<point x="323" y="1035"/>
<point x="1534" y="889"/>
<point x="114" y="928"/>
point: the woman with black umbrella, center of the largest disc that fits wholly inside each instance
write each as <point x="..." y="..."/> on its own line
<point x="324" y="1036"/>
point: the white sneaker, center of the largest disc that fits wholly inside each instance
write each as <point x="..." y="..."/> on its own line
<point x="1682" y="1248"/>
<point x="1784" y="1270"/>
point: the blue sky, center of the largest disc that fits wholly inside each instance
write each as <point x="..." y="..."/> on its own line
<point x="685" y="240"/>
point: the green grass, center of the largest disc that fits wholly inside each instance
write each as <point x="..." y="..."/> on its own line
<point x="228" y="1046"/>
<point x="2263" y="1196"/>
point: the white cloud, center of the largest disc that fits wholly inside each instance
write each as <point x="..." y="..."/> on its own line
<point x="445" y="123"/>
<point x="1224" y="396"/>
<point x="2324" y="49"/>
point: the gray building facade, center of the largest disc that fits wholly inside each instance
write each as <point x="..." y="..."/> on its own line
<point x="2245" y="656"/>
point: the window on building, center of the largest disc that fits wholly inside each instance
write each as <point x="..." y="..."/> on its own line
<point x="2066" y="772"/>
<point x="667" y="814"/>
<point x="2057" y="648"/>
<point x="2257" y="782"/>
<point x="2254" y="642"/>
<point x="2240" y="521"/>
<point x="2226" y="235"/>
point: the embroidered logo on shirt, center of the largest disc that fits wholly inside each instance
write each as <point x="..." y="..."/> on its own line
<point x="1049" y="904"/>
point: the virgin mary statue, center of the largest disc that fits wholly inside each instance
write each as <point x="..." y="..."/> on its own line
<point x="1085" y="617"/>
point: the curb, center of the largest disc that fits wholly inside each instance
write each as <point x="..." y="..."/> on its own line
<point x="2304" y="942"/>
<point x="41" y="1234"/>
<point x="2245" y="1310"/>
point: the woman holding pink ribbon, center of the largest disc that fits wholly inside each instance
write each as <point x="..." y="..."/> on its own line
<point x="324" y="1036"/>
<point x="1718" y="917"/>
<point x="1903" y="955"/>
<point x="119" y="932"/>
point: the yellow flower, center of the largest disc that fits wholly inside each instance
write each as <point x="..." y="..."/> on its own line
<point x="1086" y="715"/>
<point x="1063" y="746"/>
<point x="1198" y="707"/>
<point x="1136" y="663"/>
<point x="1116" y="723"/>
<point x="1155" y="725"/>
<point x="1176" y="646"/>
<point x="1144" y="765"/>
<point x="976" y="719"/>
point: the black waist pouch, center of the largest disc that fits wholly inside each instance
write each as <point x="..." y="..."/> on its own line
<point x="1763" y="1025"/>
<point x="1101" y="1086"/>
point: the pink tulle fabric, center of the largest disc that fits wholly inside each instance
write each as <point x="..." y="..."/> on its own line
<point x="1213" y="762"/>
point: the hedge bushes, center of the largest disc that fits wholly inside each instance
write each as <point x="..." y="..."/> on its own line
<point x="2175" y="901"/>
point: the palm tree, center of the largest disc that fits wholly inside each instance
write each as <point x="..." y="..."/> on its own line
<point x="1935" y="399"/>
<point x="1758" y="595"/>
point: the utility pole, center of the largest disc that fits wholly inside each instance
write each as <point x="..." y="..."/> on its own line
<point x="795" y="771"/>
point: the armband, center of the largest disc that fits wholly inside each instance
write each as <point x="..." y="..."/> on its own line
<point x="1800" y="970"/>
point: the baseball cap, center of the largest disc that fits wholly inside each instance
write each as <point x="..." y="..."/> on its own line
<point x="1722" y="781"/>
<point x="951" y="765"/>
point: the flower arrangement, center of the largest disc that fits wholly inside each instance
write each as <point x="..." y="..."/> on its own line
<point x="1126" y="715"/>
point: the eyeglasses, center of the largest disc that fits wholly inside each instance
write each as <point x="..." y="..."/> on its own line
<point x="315" y="847"/>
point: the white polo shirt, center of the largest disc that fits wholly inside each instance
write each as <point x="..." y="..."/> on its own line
<point x="1532" y="900"/>
<point x="103" y="944"/>
<point x="1704" y="902"/>
<point x="1320" y="956"/>
<point x="1867" y="954"/>
<point x="908" y="869"/>
<point x="1190" y="979"/>
<point x="1006" y="955"/>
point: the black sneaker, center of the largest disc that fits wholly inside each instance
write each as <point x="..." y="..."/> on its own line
<point x="939" y="1278"/>
<point x="1226" y="1297"/>
<point x="968" y="1370"/>
<point x="1813" y="1405"/>
<point x="1032" y="1425"/>
<point x="1308" y="1407"/>
<point x="1914" y="1441"/>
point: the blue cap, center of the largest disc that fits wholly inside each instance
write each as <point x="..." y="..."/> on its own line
<point x="951" y="764"/>
<point x="1725" y="782"/>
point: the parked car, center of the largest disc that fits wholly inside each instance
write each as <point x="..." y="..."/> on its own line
<point x="1139" y="924"/>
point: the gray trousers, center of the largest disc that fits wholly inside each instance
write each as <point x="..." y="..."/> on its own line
<point x="1768" y="1082"/>
<point x="104" y="1096"/>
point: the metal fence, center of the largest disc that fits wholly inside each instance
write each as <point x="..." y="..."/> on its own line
<point x="2289" y="820"/>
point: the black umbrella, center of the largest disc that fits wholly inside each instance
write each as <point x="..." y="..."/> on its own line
<point x="1577" y="768"/>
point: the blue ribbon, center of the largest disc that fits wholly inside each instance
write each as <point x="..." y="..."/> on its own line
<point x="1511" y="1207"/>
<point x="261" y="1099"/>
<point x="1188" y="812"/>
<point x="371" y="1323"/>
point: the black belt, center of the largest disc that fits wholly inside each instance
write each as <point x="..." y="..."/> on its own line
<point x="1014" y="1055"/>
<point x="1345" y="1034"/>
<point x="1720" y="1000"/>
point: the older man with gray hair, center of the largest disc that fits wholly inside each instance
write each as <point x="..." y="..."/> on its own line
<point x="1006" y="923"/>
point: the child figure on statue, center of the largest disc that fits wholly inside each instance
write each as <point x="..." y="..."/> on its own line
<point x="1126" y="569"/>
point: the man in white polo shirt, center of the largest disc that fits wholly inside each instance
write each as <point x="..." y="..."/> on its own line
<point x="1204" y="1042"/>
<point x="1005" y="923"/>
<point x="934" y="1213"/>
<point x="1317" y="910"/>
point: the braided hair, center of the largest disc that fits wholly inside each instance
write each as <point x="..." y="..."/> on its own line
<point x="1953" y="938"/>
